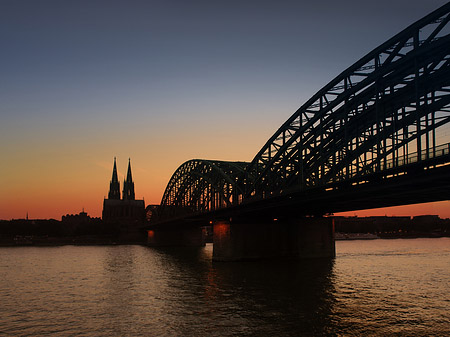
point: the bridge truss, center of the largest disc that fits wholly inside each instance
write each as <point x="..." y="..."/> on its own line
<point x="203" y="185"/>
<point x="381" y="112"/>
<point x="375" y="119"/>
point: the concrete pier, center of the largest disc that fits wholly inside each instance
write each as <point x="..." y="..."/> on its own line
<point x="300" y="238"/>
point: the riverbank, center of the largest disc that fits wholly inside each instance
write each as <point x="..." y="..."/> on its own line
<point x="45" y="241"/>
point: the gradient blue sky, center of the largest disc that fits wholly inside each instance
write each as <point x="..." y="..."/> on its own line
<point x="161" y="82"/>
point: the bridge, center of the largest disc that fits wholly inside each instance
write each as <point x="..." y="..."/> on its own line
<point x="377" y="135"/>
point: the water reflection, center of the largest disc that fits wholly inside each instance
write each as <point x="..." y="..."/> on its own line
<point x="251" y="296"/>
<point x="119" y="289"/>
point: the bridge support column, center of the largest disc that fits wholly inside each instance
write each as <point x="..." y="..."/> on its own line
<point x="300" y="238"/>
<point x="186" y="237"/>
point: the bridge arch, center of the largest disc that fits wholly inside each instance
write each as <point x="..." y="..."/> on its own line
<point x="380" y="113"/>
<point x="203" y="185"/>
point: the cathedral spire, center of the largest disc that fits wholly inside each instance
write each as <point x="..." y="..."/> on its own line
<point x="114" y="185"/>
<point x="128" y="185"/>
<point x="129" y="178"/>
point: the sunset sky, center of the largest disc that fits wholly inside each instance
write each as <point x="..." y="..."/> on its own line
<point x="162" y="82"/>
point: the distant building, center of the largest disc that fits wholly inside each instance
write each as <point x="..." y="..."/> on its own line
<point x="77" y="224"/>
<point x="76" y="218"/>
<point x="128" y="212"/>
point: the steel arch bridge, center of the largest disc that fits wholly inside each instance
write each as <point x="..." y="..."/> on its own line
<point x="381" y="118"/>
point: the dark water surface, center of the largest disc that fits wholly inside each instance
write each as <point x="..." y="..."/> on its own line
<point x="380" y="287"/>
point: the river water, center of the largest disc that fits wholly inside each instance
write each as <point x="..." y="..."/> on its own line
<point x="377" y="287"/>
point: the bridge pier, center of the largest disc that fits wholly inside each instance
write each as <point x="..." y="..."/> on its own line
<point x="300" y="238"/>
<point x="186" y="237"/>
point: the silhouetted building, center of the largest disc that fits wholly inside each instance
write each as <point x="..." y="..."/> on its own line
<point x="127" y="211"/>
<point x="79" y="224"/>
<point x="76" y="218"/>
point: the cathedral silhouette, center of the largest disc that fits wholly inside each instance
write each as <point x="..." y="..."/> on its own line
<point x="127" y="211"/>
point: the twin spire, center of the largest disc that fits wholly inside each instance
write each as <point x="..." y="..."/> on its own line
<point x="128" y="185"/>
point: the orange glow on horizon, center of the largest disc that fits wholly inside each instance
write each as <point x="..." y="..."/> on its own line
<point x="441" y="208"/>
<point x="71" y="200"/>
<point x="49" y="190"/>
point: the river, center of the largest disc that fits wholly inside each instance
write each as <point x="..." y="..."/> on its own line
<point x="373" y="287"/>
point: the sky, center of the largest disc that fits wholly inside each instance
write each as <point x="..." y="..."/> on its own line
<point x="162" y="82"/>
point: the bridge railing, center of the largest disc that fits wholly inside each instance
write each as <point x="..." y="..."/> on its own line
<point x="411" y="158"/>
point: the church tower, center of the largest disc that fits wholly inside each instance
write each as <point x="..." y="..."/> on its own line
<point x="126" y="215"/>
<point x="128" y="185"/>
<point x="114" y="185"/>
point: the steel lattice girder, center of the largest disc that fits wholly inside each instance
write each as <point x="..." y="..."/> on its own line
<point x="202" y="185"/>
<point x="324" y="139"/>
<point x="357" y="129"/>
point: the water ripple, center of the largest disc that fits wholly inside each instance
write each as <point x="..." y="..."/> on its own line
<point x="379" y="287"/>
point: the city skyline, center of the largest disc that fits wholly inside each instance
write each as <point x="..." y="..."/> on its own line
<point x="159" y="83"/>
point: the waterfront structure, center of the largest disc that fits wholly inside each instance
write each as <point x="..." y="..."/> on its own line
<point x="126" y="211"/>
